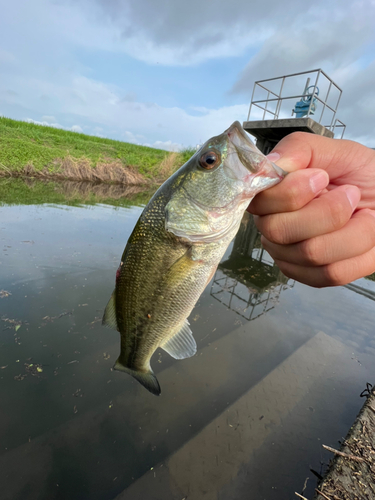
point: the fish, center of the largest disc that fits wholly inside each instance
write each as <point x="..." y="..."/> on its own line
<point x="176" y="246"/>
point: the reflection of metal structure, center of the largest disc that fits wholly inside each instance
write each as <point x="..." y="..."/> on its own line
<point x="368" y="293"/>
<point x="248" y="282"/>
<point x="269" y="114"/>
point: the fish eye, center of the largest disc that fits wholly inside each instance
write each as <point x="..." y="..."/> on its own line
<point x="209" y="160"/>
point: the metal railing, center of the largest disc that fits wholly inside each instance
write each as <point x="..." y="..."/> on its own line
<point x="248" y="303"/>
<point x="278" y="98"/>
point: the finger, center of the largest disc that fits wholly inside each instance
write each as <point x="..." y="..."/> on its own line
<point x="354" y="239"/>
<point x="338" y="273"/>
<point x="293" y="193"/>
<point x="329" y="212"/>
<point x="303" y="150"/>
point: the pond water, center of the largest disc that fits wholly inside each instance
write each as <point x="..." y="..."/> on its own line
<point x="278" y="372"/>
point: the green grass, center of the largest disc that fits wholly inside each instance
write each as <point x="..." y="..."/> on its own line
<point x="24" y="144"/>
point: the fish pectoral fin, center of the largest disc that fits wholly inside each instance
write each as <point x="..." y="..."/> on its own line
<point x="109" y="316"/>
<point x="182" y="345"/>
<point x="147" y="379"/>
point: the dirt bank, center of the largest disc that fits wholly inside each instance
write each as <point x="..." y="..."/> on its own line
<point x="351" y="473"/>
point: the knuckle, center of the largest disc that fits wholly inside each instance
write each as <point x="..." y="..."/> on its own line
<point x="333" y="275"/>
<point x="276" y="230"/>
<point x="313" y="252"/>
<point x="293" y="198"/>
<point x="338" y="214"/>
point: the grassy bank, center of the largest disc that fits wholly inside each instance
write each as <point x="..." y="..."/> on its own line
<point x="40" y="151"/>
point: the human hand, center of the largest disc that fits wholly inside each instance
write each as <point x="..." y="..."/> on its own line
<point x="318" y="224"/>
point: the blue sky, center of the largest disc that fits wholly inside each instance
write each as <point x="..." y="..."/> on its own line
<point x="171" y="73"/>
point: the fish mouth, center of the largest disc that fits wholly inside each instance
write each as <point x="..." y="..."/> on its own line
<point x="251" y="158"/>
<point x="237" y="135"/>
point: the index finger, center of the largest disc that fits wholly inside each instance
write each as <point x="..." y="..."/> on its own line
<point x="301" y="150"/>
<point x="293" y="192"/>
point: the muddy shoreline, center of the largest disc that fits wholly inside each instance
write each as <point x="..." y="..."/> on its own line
<point x="351" y="473"/>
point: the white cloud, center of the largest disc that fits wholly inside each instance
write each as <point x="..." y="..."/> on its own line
<point x="44" y="123"/>
<point x="139" y="139"/>
<point x="176" y="32"/>
<point x="90" y="102"/>
<point x="333" y="47"/>
<point x="48" y="121"/>
<point x="170" y="32"/>
<point x="45" y="79"/>
<point x="168" y="145"/>
<point x="339" y="40"/>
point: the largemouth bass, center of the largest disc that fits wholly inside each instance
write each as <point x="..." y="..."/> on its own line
<point x="176" y="246"/>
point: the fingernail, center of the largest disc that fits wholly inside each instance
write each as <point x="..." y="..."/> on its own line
<point x="354" y="195"/>
<point x="273" y="156"/>
<point x="319" y="181"/>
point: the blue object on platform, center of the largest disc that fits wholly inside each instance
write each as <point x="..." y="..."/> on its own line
<point x="302" y="107"/>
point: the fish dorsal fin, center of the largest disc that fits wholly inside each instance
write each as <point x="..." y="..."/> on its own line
<point x="109" y="317"/>
<point x="147" y="379"/>
<point x="182" y="344"/>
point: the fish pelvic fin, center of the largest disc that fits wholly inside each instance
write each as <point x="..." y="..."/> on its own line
<point x="147" y="379"/>
<point x="109" y="317"/>
<point x="182" y="345"/>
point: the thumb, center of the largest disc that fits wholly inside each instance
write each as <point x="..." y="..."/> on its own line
<point x="304" y="150"/>
<point x="294" y="152"/>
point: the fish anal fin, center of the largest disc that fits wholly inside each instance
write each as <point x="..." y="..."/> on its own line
<point x="147" y="379"/>
<point x="109" y="316"/>
<point x="182" y="345"/>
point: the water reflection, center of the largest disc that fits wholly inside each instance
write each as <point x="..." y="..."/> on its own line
<point x="243" y="419"/>
<point x="248" y="281"/>
<point x="363" y="290"/>
<point x="28" y="191"/>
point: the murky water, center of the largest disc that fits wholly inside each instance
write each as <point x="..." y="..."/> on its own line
<point x="278" y="372"/>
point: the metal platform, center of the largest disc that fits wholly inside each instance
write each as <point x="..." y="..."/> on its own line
<point x="270" y="132"/>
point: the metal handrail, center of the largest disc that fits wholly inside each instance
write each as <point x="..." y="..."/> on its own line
<point x="276" y="97"/>
<point x="255" y="103"/>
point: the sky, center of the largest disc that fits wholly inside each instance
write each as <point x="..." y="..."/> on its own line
<point x="172" y="73"/>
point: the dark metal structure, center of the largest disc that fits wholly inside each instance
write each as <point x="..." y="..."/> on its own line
<point x="248" y="282"/>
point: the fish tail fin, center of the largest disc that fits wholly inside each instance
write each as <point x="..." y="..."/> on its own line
<point x="147" y="379"/>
